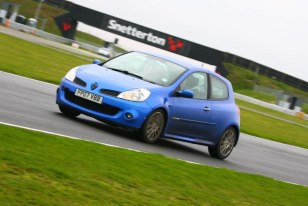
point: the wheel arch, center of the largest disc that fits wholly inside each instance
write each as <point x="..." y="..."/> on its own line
<point x="237" y="130"/>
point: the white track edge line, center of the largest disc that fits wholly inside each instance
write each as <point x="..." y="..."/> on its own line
<point x="66" y="136"/>
<point x="23" y="77"/>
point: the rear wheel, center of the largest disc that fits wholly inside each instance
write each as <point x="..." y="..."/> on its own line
<point x="153" y="127"/>
<point x="69" y="112"/>
<point x="225" y="145"/>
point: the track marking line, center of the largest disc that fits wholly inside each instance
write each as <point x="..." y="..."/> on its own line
<point x="66" y="136"/>
<point x="35" y="80"/>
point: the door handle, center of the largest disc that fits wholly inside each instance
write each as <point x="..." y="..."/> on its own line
<point x="206" y="109"/>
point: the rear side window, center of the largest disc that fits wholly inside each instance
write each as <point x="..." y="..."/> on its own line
<point x="219" y="89"/>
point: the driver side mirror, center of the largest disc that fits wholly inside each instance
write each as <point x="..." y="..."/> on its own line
<point x="97" y="61"/>
<point x="186" y="93"/>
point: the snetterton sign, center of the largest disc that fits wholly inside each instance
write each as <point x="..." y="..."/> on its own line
<point x="145" y="35"/>
<point x="134" y="32"/>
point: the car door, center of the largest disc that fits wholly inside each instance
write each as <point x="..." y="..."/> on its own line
<point x="189" y="117"/>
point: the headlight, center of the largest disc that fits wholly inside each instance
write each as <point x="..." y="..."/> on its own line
<point x="71" y="74"/>
<point x="136" y="95"/>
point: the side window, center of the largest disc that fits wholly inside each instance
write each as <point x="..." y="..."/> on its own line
<point x="197" y="83"/>
<point x="219" y="89"/>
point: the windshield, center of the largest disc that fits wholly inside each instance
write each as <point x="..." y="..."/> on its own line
<point x="149" y="68"/>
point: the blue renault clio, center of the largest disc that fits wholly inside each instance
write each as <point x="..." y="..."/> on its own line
<point x="159" y="96"/>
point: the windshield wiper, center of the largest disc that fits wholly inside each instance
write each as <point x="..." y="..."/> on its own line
<point x="126" y="72"/>
<point x="147" y="80"/>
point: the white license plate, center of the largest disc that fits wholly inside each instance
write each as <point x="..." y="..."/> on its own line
<point x="89" y="96"/>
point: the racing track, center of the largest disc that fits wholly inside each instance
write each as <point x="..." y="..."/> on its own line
<point x="31" y="103"/>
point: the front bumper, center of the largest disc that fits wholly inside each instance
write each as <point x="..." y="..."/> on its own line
<point x="115" y="110"/>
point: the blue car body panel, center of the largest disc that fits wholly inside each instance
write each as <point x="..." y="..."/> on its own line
<point x="186" y="118"/>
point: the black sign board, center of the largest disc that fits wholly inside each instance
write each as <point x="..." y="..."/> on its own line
<point x="67" y="25"/>
<point x="144" y="35"/>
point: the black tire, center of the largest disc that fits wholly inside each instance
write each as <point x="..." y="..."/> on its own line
<point x="225" y="144"/>
<point x="69" y="112"/>
<point x="153" y="127"/>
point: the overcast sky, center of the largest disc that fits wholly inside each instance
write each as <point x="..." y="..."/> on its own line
<point x="270" y="32"/>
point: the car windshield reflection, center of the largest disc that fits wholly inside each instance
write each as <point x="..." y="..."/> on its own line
<point x="146" y="67"/>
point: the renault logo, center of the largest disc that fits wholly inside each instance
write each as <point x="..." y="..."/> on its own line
<point x="94" y="86"/>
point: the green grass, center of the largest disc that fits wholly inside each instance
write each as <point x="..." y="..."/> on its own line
<point x="305" y="108"/>
<point x="243" y="80"/>
<point x="42" y="169"/>
<point x="35" y="61"/>
<point x="269" y="128"/>
<point x="271" y="112"/>
<point x="88" y="38"/>
<point x="273" y="129"/>
<point x="257" y="95"/>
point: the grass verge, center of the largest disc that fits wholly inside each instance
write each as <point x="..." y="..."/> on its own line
<point x="35" y="61"/>
<point x="305" y="108"/>
<point x="43" y="169"/>
<point x="89" y="39"/>
<point x="257" y="95"/>
<point x="271" y="112"/>
<point x="269" y="128"/>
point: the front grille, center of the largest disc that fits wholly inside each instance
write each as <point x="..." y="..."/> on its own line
<point x="102" y="108"/>
<point x="80" y="82"/>
<point x="109" y="92"/>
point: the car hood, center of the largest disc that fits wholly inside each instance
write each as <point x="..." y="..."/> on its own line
<point x="109" y="79"/>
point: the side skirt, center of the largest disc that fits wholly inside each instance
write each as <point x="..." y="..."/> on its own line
<point x="187" y="139"/>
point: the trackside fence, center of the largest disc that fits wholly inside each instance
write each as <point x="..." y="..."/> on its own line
<point x="49" y="36"/>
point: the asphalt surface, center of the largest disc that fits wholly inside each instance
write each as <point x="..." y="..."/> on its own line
<point x="31" y="103"/>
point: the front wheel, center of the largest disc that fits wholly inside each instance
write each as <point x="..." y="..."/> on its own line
<point x="69" y="112"/>
<point x="225" y="145"/>
<point x="153" y="127"/>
